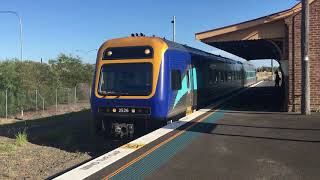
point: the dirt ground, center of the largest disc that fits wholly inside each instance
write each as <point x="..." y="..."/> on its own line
<point x="55" y="144"/>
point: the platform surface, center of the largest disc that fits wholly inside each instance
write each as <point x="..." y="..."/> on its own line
<point x="247" y="138"/>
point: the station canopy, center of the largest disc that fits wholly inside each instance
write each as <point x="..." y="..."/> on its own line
<point x="261" y="38"/>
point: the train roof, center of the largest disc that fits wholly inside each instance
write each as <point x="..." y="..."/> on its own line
<point x="199" y="52"/>
<point x="181" y="47"/>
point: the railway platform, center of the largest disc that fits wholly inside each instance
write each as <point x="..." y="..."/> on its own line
<point x="247" y="137"/>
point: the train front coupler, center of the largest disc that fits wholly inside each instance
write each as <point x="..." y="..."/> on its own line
<point x="122" y="130"/>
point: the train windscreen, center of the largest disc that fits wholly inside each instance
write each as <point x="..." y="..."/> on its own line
<point x="131" y="79"/>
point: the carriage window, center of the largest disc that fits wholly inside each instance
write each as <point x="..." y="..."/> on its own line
<point x="176" y="80"/>
<point x="215" y="76"/>
<point x="188" y="79"/>
<point x="226" y="76"/>
<point x="212" y="76"/>
<point x="229" y="77"/>
<point x="221" y="75"/>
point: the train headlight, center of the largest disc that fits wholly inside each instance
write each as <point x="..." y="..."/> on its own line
<point x="114" y="110"/>
<point x="133" y="110"/>
<point x="147" y="51"/>
<point x="109" y="53"/>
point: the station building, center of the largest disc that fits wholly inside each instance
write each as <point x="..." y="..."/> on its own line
<point x="276" y="36"/>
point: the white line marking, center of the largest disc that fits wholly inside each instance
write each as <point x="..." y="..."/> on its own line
<point x="111" y="157"/>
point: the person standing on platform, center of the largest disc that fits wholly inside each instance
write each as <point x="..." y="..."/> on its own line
<point x="277" y="80"/>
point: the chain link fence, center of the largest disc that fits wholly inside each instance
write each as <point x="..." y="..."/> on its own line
<point x="43" y="102"/>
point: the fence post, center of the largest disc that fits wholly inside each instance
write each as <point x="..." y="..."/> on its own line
<point x="68" y="92"/>
<point x="36" y="100"/>
<point x="6" y="104"/>
<point x="89" y="93"/>
<point x="56" y="100"/>
<point x="75" y="94"/>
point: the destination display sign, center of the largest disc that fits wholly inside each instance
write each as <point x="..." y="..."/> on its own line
<point x="131" y="52"/>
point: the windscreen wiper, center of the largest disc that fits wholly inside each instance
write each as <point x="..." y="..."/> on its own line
<point x="118" y="94"/>
<point x="113" y="93"/>
<point x="105" y="93"/>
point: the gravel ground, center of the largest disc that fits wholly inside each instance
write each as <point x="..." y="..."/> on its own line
<point x="54" y="144"/>
<point x="33" y="161"/>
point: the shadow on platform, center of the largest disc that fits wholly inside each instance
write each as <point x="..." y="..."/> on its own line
<point x="263" y="98"/>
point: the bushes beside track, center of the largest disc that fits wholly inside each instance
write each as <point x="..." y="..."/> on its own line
<point x="22" y="79"/>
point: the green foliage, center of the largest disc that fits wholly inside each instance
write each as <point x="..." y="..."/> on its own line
<point x="267" y="69"/>
<point x="21" y="138"/>
<point x="21" y="79"/>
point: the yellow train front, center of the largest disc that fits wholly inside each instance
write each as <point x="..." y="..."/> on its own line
<point x="143" y="82"/>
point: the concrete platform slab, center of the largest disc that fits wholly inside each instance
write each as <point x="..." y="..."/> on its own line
<point x="248" y="138"/>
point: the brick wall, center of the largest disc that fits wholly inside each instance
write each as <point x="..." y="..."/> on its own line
<point x="294" y="42"/>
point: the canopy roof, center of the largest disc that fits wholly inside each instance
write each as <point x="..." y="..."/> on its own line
<point x="261" y="38"/>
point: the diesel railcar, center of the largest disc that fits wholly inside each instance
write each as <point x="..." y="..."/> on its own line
<point x="147" y="81"/>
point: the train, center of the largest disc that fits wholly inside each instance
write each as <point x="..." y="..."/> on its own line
<point x="145" y="82"/>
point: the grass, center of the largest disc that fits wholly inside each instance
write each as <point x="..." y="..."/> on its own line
<point x="7" y="147"/>
<point x="21" y="138"/>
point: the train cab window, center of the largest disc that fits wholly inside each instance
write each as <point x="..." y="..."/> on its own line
<point x="130" y="79"/>
<point x="176" y="80"/>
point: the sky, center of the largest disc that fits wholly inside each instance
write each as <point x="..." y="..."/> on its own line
<point x="79" y="27"/>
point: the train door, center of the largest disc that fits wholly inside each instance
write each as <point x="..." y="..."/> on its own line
<point x="190" y="88"/>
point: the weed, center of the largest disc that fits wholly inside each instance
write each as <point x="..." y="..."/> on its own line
<point x="21" y="138"/>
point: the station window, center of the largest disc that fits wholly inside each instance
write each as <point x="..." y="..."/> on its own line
<point x="176" y="80"/>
